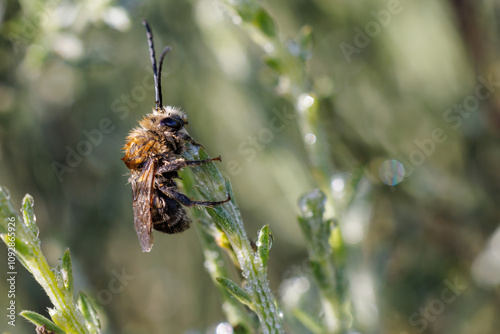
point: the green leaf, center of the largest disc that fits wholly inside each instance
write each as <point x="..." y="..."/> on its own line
<point x="317" y="230"/>
<point x="246" y="11"/>
<point x="67" y="272"/>
<point x="7" y="210"/>
<point x="4" y="225"/>
<point x="23" y="250"/>
<point x="335" y="240"/>
<point x="88" y="310"/>
<point x="210" y="183"/>
<point x="264" y="22"/>
<point x="264" y="243"/>
<point x="274" y="63"/>
<point x="321" y="273"/>
<point x="312" y="204"/>
<point x="235" y="290"/>
<point x="40" y="320"/>
<point x="65" y="315"/>
<point x="306" y="228"/>
<point x="29" y="215"/>
<point x="60" y="319"/>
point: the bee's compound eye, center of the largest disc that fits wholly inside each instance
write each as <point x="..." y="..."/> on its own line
<point x="172" y="122"/>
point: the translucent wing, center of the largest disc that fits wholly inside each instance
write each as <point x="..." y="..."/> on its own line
<point x="142" y="189"/>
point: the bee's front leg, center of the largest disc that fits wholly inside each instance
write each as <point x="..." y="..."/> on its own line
<point x="185" y="137"/>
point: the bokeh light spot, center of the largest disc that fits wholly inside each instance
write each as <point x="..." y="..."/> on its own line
<point x="224" y="328"/>
<point x="304" y="102"/>
<point x="391" y="172"/>
<point x="337" y="184"/>
<point x="310" y="138"/>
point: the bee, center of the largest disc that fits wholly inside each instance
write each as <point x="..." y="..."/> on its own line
<point x="153" y="155"/>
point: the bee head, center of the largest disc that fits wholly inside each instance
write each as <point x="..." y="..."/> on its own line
<point x="172" y="119"/>
<point x="166" y="119"/>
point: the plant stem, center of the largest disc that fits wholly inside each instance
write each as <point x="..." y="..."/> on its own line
<point x="288" y="60"/>
<point x="327" y="255"/>
<point x="211" y="185"/>
<point x="28" y="251"/>
<point x="212" y="240"/>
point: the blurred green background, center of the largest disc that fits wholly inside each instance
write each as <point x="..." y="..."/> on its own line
<point x="417" y="82"/>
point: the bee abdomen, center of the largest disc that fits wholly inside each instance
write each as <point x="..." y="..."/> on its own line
<point x="167" y="215"/>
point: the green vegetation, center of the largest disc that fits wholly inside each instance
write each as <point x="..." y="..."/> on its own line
<point x="359" y="139"/>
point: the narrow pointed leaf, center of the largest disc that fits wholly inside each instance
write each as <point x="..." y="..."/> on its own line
<point x="88" y="310"/>
<point x="29" y="215"/>
<point x="40" y="320"/>
<point x="264" y="243"/>
<point x="265" y="23"/>
<point x="274" y="63"/>
<point x="7" y="211"/>
<point x="67" y="272"/>
<point x="235" y="290"/>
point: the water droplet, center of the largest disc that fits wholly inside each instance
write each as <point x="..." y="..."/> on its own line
<point x="271" y="239"/>
<point x="391" y="172"/>
<point x="65" y="278"/>
<point x="246" y="273"/>
<point x="308" y="202"/>
<point x="29" y="200"/>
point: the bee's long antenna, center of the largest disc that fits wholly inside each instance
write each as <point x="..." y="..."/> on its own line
<point x="162" y="55"/>
<point x="153" y="61"/>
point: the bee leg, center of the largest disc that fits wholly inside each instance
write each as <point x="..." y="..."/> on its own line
<point x="188" y="138"/>
<point x="181" y="163"/>
<point x="186" y="201"/>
